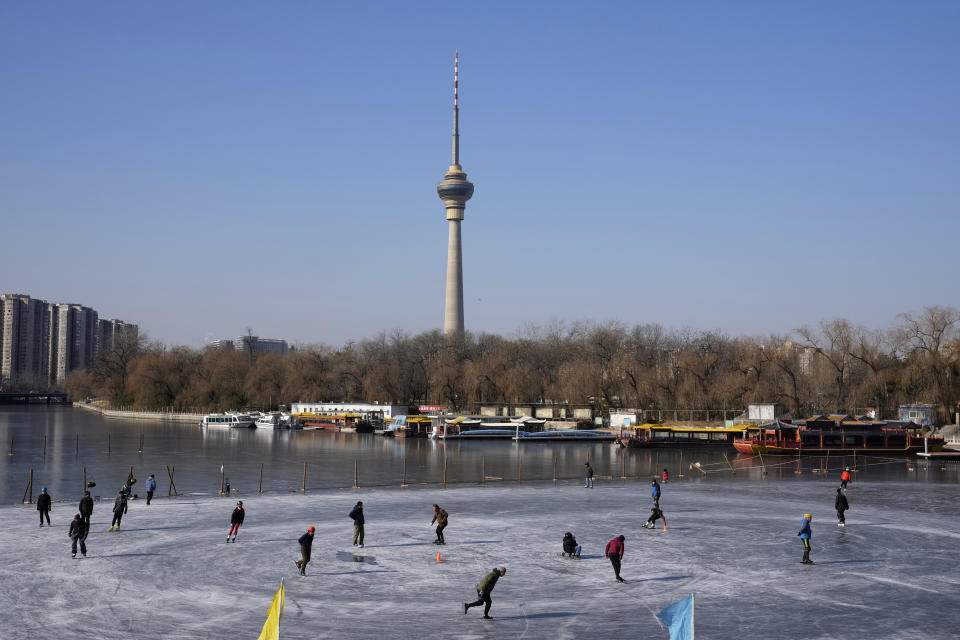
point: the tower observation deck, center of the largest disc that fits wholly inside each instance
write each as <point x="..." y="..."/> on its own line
<point x="454" y="190"/>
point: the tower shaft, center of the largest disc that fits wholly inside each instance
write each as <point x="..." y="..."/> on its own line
<point x="454" y="190"/>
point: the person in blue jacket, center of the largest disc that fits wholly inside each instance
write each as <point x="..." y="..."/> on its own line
<point x="151" y="487"/>
<point x="804" y="534"/>
<point x="655" y="492"/>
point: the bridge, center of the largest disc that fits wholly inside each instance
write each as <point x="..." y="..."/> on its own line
<point x="33" y="397"/>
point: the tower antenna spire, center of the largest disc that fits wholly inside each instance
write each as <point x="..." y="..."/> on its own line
<point x="456" y="108"/>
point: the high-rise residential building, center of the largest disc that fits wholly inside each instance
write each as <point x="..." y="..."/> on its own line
<point x="257" y="344"/>
<point x="43" y="342"/>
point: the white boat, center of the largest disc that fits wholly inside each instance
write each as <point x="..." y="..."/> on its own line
<point x="274" y="420"/>
<point x="231" y="419"/>
<point x="486" y="427"/>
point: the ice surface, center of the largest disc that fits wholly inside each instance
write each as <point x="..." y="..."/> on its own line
<point x="891" y="573"/>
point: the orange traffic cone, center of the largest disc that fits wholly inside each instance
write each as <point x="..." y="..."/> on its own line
<point x="438" y="557"/>
<point x="664" y="526"/>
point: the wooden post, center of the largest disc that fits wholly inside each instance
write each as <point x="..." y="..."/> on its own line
<point x="444" y="483"/>
<point x="45" y="446"/>
<point x="732" y="472"/>
<point x="303" y="482"/>
<point x="356" y="476"/>
<point x="173" y="488"/>
<point x="29" y="489"/>
<point x="221" y="479"/>
<point x="260" y="482"/>
<point x="855" y="470"/>
<point x="483" y="469"/>
<point x="520" y="469"/>
<point x="10" y="453"/>
<point x="762" y="466"/>
<point x="403" y="474"/>
<point x="140" y="450"/>
<point x="108" y="444"/>
<point x="623" y="465"/>
<point x="680" y="475"/>
<point x="76" y="449"/>
<point x="554" y="468"/>
<point x="84" y="478"/>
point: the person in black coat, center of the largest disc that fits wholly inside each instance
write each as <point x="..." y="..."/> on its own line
<point x="44" y="504"/>
<point x="86" y="507"/>
<point x="841" y="505"/>
<point x="78" y="533"/>
<point x="236" y="519"/>
<point x="306" y="543"/>
<point x="119" y="508"/>
<point x="357" y="515"/>
<point x="570" y="546"/>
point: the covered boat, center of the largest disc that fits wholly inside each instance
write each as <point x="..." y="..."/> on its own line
<point x="836" y="434"/>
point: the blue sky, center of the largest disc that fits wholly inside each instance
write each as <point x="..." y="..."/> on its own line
<point x="201" y="168"/>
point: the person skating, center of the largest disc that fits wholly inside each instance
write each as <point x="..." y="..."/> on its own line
<point x="119" y="508"/>
<point x="78" y="533"/>
<point x="841" y="505"/>
<point x="44" y="504"/>
<point x="655" y="514"/>
<point x="588" y="476"/>
<point x="845" y="477"/>
<point x="804" y="534"/>
<point x="666" y="476"/>
<point x="357" y="515"/>
<point x="306" y="542"/>
<point x="440" y="517"/>
<point x="570" y="546"/>
<point x="151" y="487"/>
<point x="86" y="507"/>
<point x="614" y="552"/>
<point x="484" y="588"/>
<point x="655" y="492"/>
<point x="236" y="519"/>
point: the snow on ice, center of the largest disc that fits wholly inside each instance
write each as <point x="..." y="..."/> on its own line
<point x="891" y="573"/>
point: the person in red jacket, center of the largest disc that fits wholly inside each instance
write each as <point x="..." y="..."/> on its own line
<point x="845" y="477"/>
<point x="614" y="552"/>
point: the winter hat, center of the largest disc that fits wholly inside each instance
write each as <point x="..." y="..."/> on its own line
<point x="311" y="529"/>
<point x="502" y="569"/>
<point x="359" y="504"/>
<point x="807" y="516"/>
<point x="239" y="503"/>
<point x="44" y="489"/>
<point x="621" y="538"/>
<point x="847" y="469"/>
<point x="568" y="534"/>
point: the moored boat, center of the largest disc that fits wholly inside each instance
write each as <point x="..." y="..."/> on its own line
<point x="485" y="427"/>
<point x="274" y="420"/>
<point x="659" y="435"/>
<point x="566" y="434"/>
<point x="229" y="419"/>
<point x="836" y="434"/>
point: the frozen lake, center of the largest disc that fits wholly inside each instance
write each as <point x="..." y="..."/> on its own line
<point x="891" y="573"/>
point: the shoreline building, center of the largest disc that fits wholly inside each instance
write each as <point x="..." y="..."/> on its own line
<point x="43" y="342"/>
<point x="254" y="344"/>
<point x="454" y="190"/>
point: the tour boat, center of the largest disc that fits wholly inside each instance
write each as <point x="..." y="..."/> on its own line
<point x="836" y="434"/>
<point x="485" y="427"/>
<point x="409" y="427"/>
<point x="659" y="435"/>
<point x="274" y="420"/>
<point x="230" y="419"/>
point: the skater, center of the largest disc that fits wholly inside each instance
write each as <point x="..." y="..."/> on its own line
<point x="655" y="492"/>
<point x="588" y="480"/>
<point x="119" y="508"/>
<point x="440" y="517"/>
<point x="236" y="519"/>
<point x="804" y="534"/>
<point x="845" y="477"/>
<point x="78" y="533"/>
<point x="655" y="514"/>
<point x="44" y="505"/>
<point x="570" y="546"/>
<point x="666" y="476"/>
<point x="841" y="505"/>
<point x="86" y="508"/>
<point x="306" y="542"/>
<point x="357" y="515"/>
<point x="151" y="487"/>
<point x="484" y="587"/>
<point x="614" y="552"/>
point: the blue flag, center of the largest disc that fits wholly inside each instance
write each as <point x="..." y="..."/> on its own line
<point x="678" y="618"/>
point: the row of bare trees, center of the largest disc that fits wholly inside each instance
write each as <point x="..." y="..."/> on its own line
<point x="836" y="366"/>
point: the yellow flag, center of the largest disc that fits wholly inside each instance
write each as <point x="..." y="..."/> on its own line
<point x="271" y="628"/>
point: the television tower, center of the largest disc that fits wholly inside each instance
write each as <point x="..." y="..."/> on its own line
<point x="454" y="190"/>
